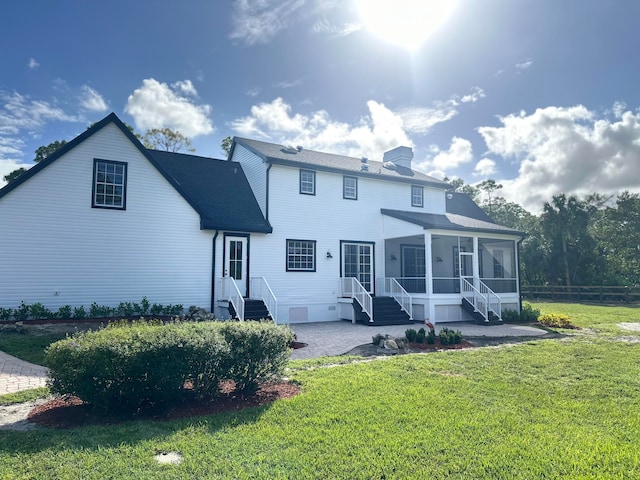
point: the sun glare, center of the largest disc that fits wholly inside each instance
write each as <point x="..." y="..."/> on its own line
<point x="405" y="22"/>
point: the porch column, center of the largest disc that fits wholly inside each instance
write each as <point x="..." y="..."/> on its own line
<point x="429" y="264"/>
<point x="476" y="259"/>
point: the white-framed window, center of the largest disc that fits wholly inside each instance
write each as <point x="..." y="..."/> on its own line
<point x="498" y="264"/>
<point x="109" y="184"/>
<point x="307" y="182"/>
<point x="350" y="188"/>
<point x="417" y="196"/>
<point x="301" y="255"/>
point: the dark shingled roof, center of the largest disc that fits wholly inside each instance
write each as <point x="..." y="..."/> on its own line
<point x="462" y="214"/>
<point x="217" y="189"/>
<point x="279" y="154"/>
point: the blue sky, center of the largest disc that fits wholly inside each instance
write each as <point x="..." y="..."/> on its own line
<point x="542" y="95"/>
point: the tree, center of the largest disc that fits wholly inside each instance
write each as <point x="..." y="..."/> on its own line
<point x="226" y="145"/>
<point x="11" y="176"/>
<point x="460" y="187"/>
<point x="166" y="139"/>
<point x="46" y="150"/>
<point x="489" y="186"/>
<point x="565" y="223"/>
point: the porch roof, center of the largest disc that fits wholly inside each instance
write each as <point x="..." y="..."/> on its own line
<point x="450" y="221"/>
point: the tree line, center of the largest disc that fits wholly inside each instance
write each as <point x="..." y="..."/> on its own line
<point x="590" y="240"/>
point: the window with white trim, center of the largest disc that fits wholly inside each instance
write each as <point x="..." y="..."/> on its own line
<point x="301" y="255"/>
<point x="109" y="184"/>
<point x="350" y="188"/>
<point x="417" y="196"/>
<point x="307" y="182"/>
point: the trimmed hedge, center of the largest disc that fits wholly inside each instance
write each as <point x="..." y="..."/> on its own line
<point x="128" y="367"/>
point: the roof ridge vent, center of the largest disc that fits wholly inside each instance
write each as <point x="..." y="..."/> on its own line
<point x="364" y="159"/>
<point x="299" y="148"/>
<point x="364" y="167"/>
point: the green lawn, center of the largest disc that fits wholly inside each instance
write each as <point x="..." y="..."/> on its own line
<point x="28" y="346"/>
<point x="564" y="408"/>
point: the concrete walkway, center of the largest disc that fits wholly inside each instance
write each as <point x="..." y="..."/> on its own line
<point x="16" y="374"/>
<point x="336" y="338"/>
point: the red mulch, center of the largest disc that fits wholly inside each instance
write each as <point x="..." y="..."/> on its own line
<point x="438" y="346"/>
<point x="71" y="412"/>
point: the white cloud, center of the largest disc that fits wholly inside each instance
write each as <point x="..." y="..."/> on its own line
<point x="291" y="84"/>
<point x="524" y="64"/>
<point x="158" y="105"/>
<point x="186" y="87"/>
<point x="485" y="168"/>
<point x="421" y="120"/>
<point x="378" y="131"/>
<point x="92" y="100"/>
<point x="336" y="29"/>
<point x="33" y="64"/>
<point x="253" y="92"/>
<point x="439" y="161"/>
<point x="258" y="21"/>
<point x="567" y="149"/>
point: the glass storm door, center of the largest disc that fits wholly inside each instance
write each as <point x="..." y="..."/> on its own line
<point x="235" y="261"/>
<point x="357" y="261"/>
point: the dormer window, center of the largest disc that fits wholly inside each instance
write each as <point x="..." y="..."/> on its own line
<point x="307" y="182"/>
<point x="109" y="184"/>
<point x="417" y="196"/>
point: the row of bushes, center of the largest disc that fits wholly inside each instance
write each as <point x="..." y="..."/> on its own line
<point x="526" y="314"/>
<point x="38" y="311"/>
<point x="446" y="336"/>
<point x="128" y="367"/>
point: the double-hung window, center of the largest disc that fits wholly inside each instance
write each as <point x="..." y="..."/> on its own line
<point x="350" y="188"/>
<point x="301" y="256"/>
<point x="307" y="182"/>
<point x="417" y="196"/>
<point x="109" y="184"/>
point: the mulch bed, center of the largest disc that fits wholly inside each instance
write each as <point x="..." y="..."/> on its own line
<point x="71" y="412"/>
<point x="438" y="346"/>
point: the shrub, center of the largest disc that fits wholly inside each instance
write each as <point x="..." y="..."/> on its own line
<point x="156" y="309"/>
<point x="64" y="312"/>
<point x="377" y="338"/>
<point x="5" y="313"/>
<point x="528" y="313"/>
<point x="39" y="311"/>
<point x="79" y="313"/>
<point x="411" y="334"/>
<point x="22" y="312"/>
<point x="130" y="366"/>
<point x="126" y="309"/>
<point x="431" y="337"/>
<point x="126" y="368"/>
<point x="96" y="311"/>
<point x="450" y="337"/>
<point x="510" y="316"/>
<point x="144" y="306"/>
<point x="555" y="320"/>
<point x="421" y="335"/>
<point x="259" y="352"/>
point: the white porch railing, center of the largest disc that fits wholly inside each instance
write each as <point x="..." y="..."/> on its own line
<point x="482" y="298"/>
<point x="392" y="288"/>
<point x="261" y="290"/>
<point x="352" y="288"/>
<point x="231" y="293"/>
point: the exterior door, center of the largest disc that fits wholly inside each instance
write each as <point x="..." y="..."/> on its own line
<point x="357" y="261"/>
<point x="465" y="264"/>
<point x="235" y="261"/>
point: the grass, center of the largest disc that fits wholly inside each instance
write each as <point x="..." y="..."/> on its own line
<point x="29" y="346"/>
<point x="24" y="396"/>
<point x="563" y="408"/>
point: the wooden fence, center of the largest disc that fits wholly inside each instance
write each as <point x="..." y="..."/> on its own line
<point x="602" y="294"/>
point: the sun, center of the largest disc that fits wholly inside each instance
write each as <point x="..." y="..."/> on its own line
<point x="405" y="22"/>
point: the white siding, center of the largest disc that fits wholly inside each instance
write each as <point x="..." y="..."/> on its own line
<point x="326" y="218"/>
<point x="57" y="250"/>
<point x="255" y="171"/>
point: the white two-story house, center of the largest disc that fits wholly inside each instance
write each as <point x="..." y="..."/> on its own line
<point x="298" y="235"/>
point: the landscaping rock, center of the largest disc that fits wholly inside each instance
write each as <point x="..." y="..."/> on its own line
<point x="390" y="344"/>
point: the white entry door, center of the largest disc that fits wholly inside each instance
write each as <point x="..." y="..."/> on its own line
<point x="357" y="261"/>
<point x="235" y="261"/>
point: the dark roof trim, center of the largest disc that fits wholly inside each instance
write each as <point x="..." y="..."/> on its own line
<point x="315" y="166"/>
<point x="431" y="221"/>
<point x="66" y="148"/>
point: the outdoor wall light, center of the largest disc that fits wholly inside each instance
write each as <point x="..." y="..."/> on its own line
<point x="438" y="259"/>
<point x="329" y="254"/>
<point x="393" y="257"/>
